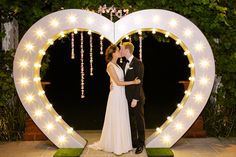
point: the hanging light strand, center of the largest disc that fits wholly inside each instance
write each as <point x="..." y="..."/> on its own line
<point x="72" y="46"/>
<point x="140" y="45"/>
<point x="101" y="45"/>
<point x="91" y="52"/>
<point x="82" y="63"/>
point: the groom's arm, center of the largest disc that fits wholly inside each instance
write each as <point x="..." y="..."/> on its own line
<point x="139" y="74"/>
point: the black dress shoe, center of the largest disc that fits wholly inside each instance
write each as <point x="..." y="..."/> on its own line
<point x="139" y="150"/>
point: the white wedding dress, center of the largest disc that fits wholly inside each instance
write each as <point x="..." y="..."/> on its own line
<point x="116" y="134"/>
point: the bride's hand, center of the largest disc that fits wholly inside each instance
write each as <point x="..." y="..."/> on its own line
<point x="137" y="80"/>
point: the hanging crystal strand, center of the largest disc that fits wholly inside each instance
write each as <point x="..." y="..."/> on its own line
<point x="121" y="60"/>
<point x="101" y="44"/>
<point x="140" y="44"/>
<point x="91" y="52"/>
<point x="82" y="63"/>
<point x="72" y="46"/>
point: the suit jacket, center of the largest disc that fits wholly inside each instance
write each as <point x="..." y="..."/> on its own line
<point x="136" y="69"/>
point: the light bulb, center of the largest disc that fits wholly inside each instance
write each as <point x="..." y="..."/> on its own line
<point x="38" y="113"/>
<point x="186" y="52"/>
<point x="180" y="106"/>
<point x="204" y="81"/>
<point x="178" y="41"/>
<point x="75" y="31"/>
<point x="70" y="130"/>
<point x="72" y="18"/>
<point x="127" y="37"/>
<point x="29" y="98"/>
<point x="41" y="52"/>
<point x="40" y="93"/>
<point x="140" y="32"/>
<point x="173" y="23"/>
<point x="61" y="139"/>
<point x="40" y="33"/>
<point x="101" y="37"/>
<point x="170" y="119"/>
<point x="49" y="127"/>
<point x="54" y="23"/>
<point x="89" y="32"/>
<point x="198" y="98"/>
<point x="166" y="139"/>
<point x="153" y="31"/>
<point x="62" y="34"/>
<point x="58" y="118"/>
<point x="29" y="47"/>
<point x="158" y="130"/>
<point x="23" y="63"/>
<point x="37" y="65"/>
<point x="50" y="42"/>
<point x="187" y="92"/>
<point x="24" y="81"/>
<point x="191" y="78"/>
<point x="199" y="47"/>
<point x="204" y="63"/>
<point x="167" y="34"/>
<point x="178" y="126"/>
<point x="188" y="33"/>
<point x="48" y="106"/>
<point x="191" y="65"/>
<point x="37" y="79"/>
<point x="190" y="113"/>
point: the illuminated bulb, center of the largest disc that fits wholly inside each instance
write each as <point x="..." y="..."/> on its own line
<point x="49" y="106"/>
<point x="166" y="139"/>
<point x="54" y="23"/>
<point x="198" y="98"/>
<point x="153" y="31"/>
<point x="158" y="130"/>
<point x="29" y="47"/>
<point x="37" y="65"/>
<point x="49" y="126"/>
<point x="173" y="23"/>
<point x="156" y="19"/>
<point x="204" y="63"/>
<point x="40" y="33"/>
<point x="29" y="98"/>
<point x="101" y="37"/>
<point x="62" y="139"/>
<point x="190" y="113"/>
<point x="170" y="118"/>
<point x="204" y="81"/>
<point x="23" y="64"/>
<point x="186" y="52"/>
<point x="75" y="31"/>
<point x="199" y="47"/>
<point x="180" y="106"/>
<point x="38" y="113"/>
<point x="40" y="93"/>
<point x="72" y="18"/>
<point x="90" y="20"/>
<point x="58" y="118"/>
<point x="140" y="32"/>
<point x="188" y="33"/>
<point x="89" y="32"/>
<point x="62" y="34"/>
<point x="41" y="52"/>
<point x="191" y="78"/>
<point x="178" y="126"/>
<point x="126" y="37"/>
<point x="167" y="34"/>
<point x="178" y="41"/>
<point x="191" y="65"/>
<point x="187" y="92"/>
<point x="24" y="81"/>
<point x="70" y="130"/>
<point x="50" y="41"/>
<point x="37" y="79"/>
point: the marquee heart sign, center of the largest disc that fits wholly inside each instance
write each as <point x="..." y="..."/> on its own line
<point x="43" y="33"/>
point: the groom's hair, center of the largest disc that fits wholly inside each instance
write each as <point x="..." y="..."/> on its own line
<point x="129" y="46"/>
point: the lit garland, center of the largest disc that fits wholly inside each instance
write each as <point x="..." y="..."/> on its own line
<point x="140" y="44"/>
<point x="72" y="46"/>
<point x="91" y="52"/>
<point x="101" y="44"/>
<point x="82" y="63"/>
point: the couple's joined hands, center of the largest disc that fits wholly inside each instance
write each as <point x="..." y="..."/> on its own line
<point x="137" y="80"/>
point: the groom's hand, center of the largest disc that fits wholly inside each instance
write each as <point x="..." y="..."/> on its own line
<point x="134" y="103"/>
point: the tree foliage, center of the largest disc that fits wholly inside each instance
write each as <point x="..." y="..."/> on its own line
<point x="215" y="18"/>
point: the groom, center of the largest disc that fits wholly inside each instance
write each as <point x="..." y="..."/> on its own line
<point x="133" y="68"/>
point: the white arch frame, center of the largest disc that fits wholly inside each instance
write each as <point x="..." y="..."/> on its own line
<point x="41" y="35"/>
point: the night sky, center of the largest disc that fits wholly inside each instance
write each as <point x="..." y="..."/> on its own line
<point x="164" y="63"/>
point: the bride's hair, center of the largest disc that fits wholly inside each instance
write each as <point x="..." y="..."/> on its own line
<point x="109" y="51"/>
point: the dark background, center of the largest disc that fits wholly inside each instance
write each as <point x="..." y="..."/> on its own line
<point x="164" y="62"/>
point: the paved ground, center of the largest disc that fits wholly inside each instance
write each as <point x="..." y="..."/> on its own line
<point x="185" y="147"/>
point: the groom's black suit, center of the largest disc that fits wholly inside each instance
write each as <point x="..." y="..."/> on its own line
<point x="136" y="69"/>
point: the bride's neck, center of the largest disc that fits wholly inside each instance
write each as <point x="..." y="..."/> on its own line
<point x="114" y="60"/>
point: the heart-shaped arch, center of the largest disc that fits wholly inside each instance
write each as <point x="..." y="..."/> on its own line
<point x="41" y="35"/>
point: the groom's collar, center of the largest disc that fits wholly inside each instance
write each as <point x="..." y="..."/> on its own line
<point x="130" y="58"/>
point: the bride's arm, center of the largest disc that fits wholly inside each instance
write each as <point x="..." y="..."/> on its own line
<point x="114" y="77"/>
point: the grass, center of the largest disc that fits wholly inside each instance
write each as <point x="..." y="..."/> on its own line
<point x="159" y="152"/>
<point x="68" y="152"/>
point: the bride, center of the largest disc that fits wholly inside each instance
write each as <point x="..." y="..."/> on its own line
<point x="116" y="134"/>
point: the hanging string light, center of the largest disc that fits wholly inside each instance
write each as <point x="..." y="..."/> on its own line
<point x="72" y="46"/>
<point x="101" y="44"/>
<point x="140" y="44"/>
<point x="82" y="63"/>
<point x="91" y="52"/>
<point x="121" y="60"/>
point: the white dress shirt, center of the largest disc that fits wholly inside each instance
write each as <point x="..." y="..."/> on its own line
<point x="128" y="63"/>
